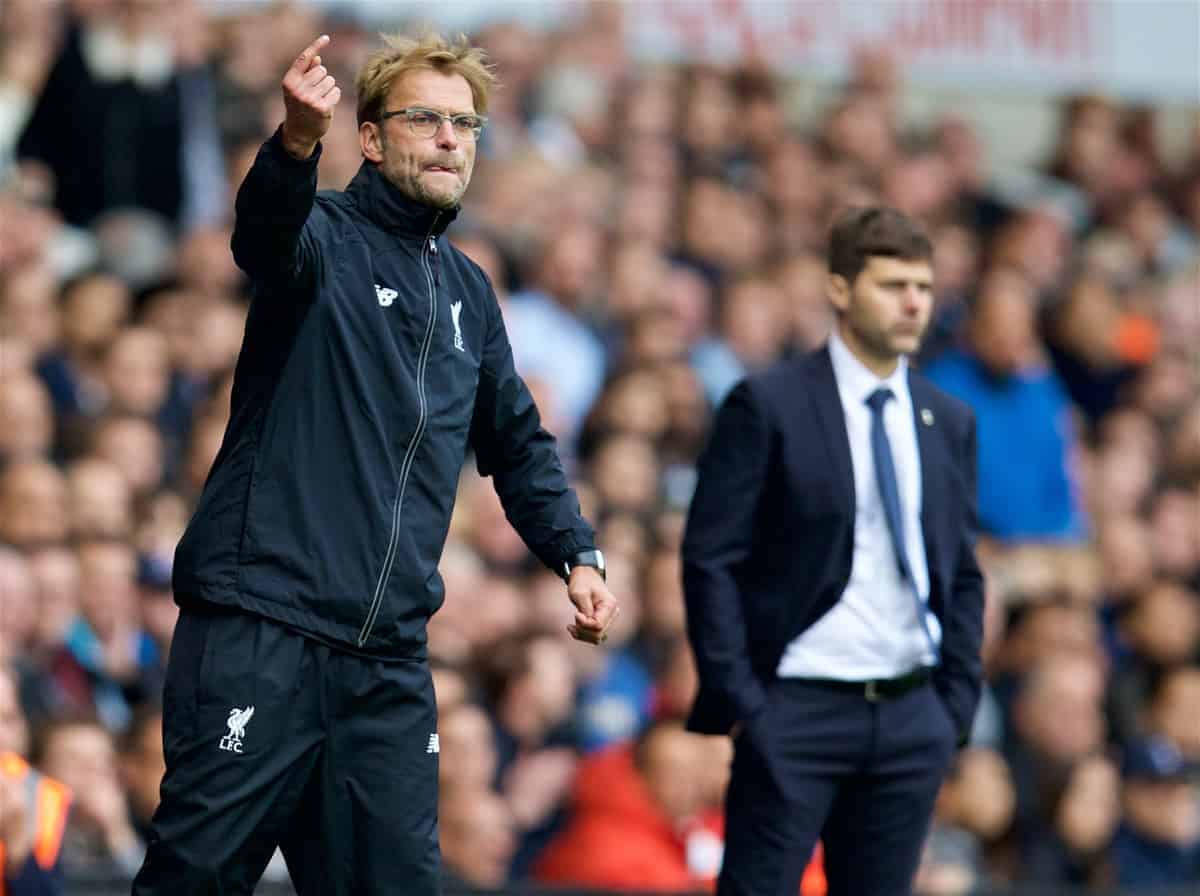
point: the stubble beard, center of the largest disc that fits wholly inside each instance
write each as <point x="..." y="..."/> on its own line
<point x="882" y="344"/>
<point x="409" y="183"/>
<point x="407" y="179"/>
<point x="442" y="200"/>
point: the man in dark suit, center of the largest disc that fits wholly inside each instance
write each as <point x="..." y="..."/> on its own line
<point x="835" y="606"/>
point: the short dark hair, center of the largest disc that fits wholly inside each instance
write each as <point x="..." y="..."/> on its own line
<point x="877" y="230"/>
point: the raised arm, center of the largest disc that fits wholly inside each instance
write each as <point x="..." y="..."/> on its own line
<point x="276" y="198"/>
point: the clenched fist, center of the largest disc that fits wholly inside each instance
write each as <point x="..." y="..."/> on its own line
<point x="309" y="95"/>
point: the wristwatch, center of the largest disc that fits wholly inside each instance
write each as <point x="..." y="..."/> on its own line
<point x="593" y="558"/>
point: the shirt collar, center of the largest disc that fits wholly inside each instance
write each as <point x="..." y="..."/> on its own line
<point x="856" y="379"/>
<point x="390" y="209"/>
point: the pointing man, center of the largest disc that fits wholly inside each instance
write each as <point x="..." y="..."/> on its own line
<point x="299" y="707"/>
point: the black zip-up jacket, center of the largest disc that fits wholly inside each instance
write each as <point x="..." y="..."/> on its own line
<point x="374" y="355"/>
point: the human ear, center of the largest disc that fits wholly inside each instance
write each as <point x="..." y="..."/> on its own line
<point x="839" y="291"/>
<point x="370" y="139"/>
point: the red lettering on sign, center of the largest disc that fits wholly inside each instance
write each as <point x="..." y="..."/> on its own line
<point x="1055" y="31"/>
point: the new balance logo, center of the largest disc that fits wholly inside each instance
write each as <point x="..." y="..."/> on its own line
<point x="434" y="746"/>
<point x="455" y="311"/>
<point x="232" y="742"/>
<point x="386" y="296"/>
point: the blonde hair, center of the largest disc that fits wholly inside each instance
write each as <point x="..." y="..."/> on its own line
<point x="430" y="52"/>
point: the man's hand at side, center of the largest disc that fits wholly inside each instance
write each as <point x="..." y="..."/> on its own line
<point x="309" y="96"/>
<point x="595" y="606"/>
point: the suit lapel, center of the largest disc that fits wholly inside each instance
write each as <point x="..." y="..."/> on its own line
<point x="832" y="421"/>
<point x="932" y="453"/>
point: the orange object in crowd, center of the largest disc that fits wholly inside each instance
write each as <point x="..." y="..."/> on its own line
<point x="49" y="802"/>
<point x="1137" y="339"/>
<point x="813" y="883"/>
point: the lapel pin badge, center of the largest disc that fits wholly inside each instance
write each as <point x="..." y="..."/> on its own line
<point x="927" y="416"/>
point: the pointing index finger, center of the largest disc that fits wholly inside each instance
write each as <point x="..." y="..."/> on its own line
<point x="305" y="58"/>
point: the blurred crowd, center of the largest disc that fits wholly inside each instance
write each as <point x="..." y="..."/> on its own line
<point x="653" y="233"/>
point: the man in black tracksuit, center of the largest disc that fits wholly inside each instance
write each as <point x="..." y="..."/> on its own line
<point x="299" y="710"/>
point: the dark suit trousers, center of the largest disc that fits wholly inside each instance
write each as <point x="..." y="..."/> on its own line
<point x="861" y="775"/>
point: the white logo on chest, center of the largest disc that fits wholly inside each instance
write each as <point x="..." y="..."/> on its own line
<point x="386" y="296"/>
<point x="455" y="311"/>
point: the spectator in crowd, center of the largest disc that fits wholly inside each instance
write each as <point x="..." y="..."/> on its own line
<point x="30" y="307"/>
<point x="55" y="569"/>
<point x="1161" y="629"/>
<point x="478" y="838"/>
<point x="1173" y="513"/>
<point x="99" y="838"/>
<point x="1159" y="840"/>
<point x="107" y="663"/>
<point x="101" y="500"/>
<point x="136" y="446"/>
<point x="638" y="819"/>
<point x="468" y="756"/>
<point x="137" y="381"/>
<point x="33" y="809"/>
<point x="1087" y="145"/>
<point x="1026" y="431"/>
<point x="1089" y="347"/>
<point x="18" y="609"/>
<point x="28" y="417"/>
<point x="118" y="69"/>
<point x="551" y="338"/>
<point x="34" y="509"/>
<point x="94" y="309"/>
<point x="530" y="685"/>
<point x="1072" y="848"/>
<point x="754" y="321"/>
<point x="1058" y="720"/>
<point x="1123" y="542"/>
<point x="1173" y="708"/>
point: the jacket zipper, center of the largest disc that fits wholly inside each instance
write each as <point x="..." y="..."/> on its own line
<point x="428" y="249"/>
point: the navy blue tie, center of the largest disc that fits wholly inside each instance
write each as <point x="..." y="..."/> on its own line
<point x="889" y="492"/>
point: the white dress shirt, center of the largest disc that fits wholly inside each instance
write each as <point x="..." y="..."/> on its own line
<point x="873" y="631"/>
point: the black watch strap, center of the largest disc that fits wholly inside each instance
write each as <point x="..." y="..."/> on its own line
<point x="593" y="558"/>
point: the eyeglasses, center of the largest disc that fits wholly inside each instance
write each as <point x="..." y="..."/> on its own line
<point x="425" y="123"/>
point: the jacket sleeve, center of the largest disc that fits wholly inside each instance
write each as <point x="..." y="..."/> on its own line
<point x="272" y="233"/>
<point x="511" y="446"/>
<point x="717" y="539"/>
<point x="959" y="677"/>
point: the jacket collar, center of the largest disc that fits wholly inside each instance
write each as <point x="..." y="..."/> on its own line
<point x="833" y="421"/>
<point x="378" y="199"/>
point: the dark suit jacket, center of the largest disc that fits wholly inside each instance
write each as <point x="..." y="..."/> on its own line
<point x="770" y="535"/>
